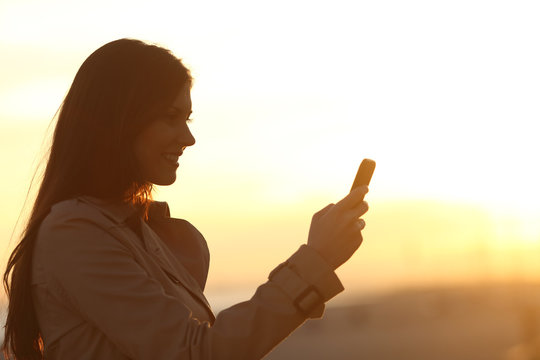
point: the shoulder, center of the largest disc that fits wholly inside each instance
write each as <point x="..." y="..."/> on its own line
<point x="74" y="212"/>
<point x="76" y="225"/>
<point x="75" y="233"/>
<point x="72" y="209"/>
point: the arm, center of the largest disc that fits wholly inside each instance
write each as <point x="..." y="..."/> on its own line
<point x="100" y="277"/>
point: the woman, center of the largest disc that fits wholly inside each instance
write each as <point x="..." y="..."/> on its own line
<point x="103" y="272"/>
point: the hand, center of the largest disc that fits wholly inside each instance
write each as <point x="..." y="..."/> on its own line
<point x="335" y="231"/>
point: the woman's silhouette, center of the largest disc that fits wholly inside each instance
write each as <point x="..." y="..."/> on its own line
<point x="102" y="271"/>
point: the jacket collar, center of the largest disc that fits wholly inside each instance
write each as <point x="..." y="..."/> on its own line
<point x="122" y="212"/>
<point x="119" y="212"/>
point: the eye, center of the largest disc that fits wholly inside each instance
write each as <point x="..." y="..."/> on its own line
<point x="176" y="119"/>
<point x="175" y="116"/>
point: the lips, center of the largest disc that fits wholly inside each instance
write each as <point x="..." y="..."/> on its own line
<point x="171" y="158"/>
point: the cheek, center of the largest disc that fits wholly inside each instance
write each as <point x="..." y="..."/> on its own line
<point x="143" y="149"/>
<point x="150" y="143"/>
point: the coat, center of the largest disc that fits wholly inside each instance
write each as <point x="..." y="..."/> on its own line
<point x="105" y="289"/>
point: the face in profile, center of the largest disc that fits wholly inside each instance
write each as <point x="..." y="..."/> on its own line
<point x="158" y="147"/>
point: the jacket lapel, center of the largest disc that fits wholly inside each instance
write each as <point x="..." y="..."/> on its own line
<point x="174" y="269"/>
<point x="156" y="248"/>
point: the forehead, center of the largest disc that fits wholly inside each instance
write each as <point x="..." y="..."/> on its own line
<point x="182" y="100"/>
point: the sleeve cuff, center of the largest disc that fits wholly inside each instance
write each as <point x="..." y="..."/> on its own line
<point x="307" y="280"/>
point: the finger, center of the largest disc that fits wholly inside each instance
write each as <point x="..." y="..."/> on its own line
<point x="356" y="240"/>
<point x="353" y="198"/>
<point x="360" y="224"/>
<point x="356" y="227"/>
<point x="353" y="214"/>
<point x="360" y="210"/>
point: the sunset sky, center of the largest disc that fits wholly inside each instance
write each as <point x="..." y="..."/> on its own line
<point x="289" y="97"/>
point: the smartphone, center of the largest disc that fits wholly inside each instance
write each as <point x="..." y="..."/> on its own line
<point x="365" y="171"/>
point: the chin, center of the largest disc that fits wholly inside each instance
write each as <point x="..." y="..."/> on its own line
<point x="164" y="181"/>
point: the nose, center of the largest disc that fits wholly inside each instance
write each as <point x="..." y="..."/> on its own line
<point x="185" y="138"/>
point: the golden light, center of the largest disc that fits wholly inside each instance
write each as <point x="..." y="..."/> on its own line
<point x="288" y="99"/>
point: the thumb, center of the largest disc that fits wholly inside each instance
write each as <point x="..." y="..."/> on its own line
<point x="323" y="211"/>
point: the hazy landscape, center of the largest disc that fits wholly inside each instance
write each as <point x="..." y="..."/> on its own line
<point x="497" y="321"/>
<point x="486" y="321"/>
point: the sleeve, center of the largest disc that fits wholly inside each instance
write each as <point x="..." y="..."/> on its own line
<point x="101" y="279"/>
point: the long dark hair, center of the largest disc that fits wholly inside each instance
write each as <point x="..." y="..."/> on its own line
<point x="114" y="95"/>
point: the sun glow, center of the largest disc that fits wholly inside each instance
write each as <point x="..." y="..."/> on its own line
<point x="289" y="97"/>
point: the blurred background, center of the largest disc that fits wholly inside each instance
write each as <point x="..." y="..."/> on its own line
<point x="289" y="97"/>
